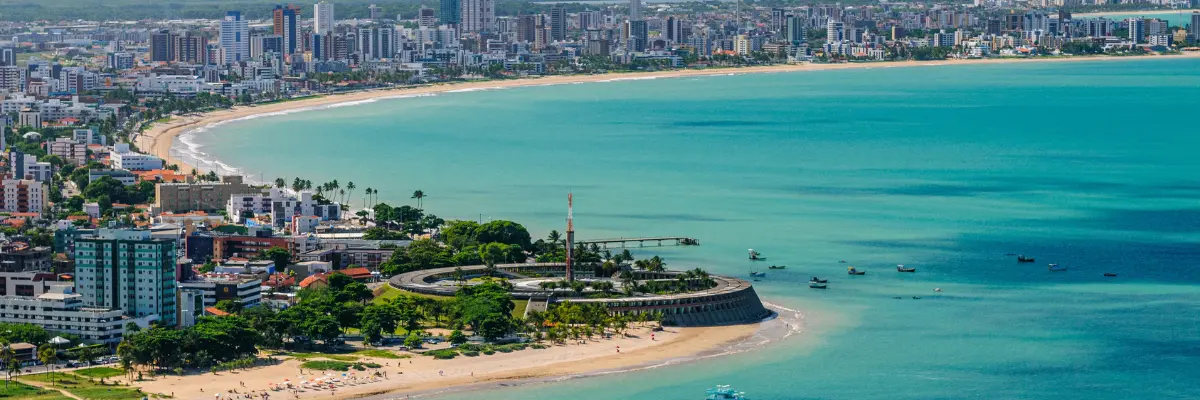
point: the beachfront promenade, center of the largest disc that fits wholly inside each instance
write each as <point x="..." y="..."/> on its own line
<point x="731" y="301"/>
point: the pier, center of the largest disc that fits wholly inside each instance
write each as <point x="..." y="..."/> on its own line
<point x="641" y="241"/>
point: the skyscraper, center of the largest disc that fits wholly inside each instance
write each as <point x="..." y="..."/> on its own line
<point x="795" y="30"/>
<point x="323" y="20"/>
<point x="162" y="46"/>
<point x="1194" y="28"/>
<point x="478" y="15"/>
<point x="376" y="42"/>
<point x="635" y="10"/>
<point x="235" y="37"/>
<point x="427" y="18"/>
<point x="450" y="12"/>
<point x="638" y="36"/>
<point x="127" y="270"/>
<point x="285" y="23"/>
<point x="191" y="49"/>
<point x="376" y="12"/>
<point x="674" y="30"/>
<point x="778" y="16"/>
<point x="558" y="23"/>
<point x="1137" y="29"/>
<point x="835" y="31"/>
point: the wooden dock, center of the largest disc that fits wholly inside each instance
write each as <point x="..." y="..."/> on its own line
<point x="657" y="241"/>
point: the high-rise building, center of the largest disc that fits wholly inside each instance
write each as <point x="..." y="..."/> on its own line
<point x="527" y="27"/>
<point x="796" y="30"/>
<point x="8" y="57"/>
<point x="320" y="51"/>
<point x="23" y="195"/>
<point x="673" y="30"/>
<point x="427" y="18"/>
<point x="375" y="12"/>
<point x="191" y="49"/>
<point x="586" y="20"/>
<point x="478" y="15"/>
<point x="1137" y="29"/>
<point x="235" y="38"/>
<point x="376" y="42"/>
<point x="127" y="270"/>
<point x="120" y="61"/>
<point x="286" y="24"/>
<point x="639" y="36"/>
<point x="558" y="23"/>
<point x="835" y="31"/>
<point x="635" y="10"/>
<point x="1194" y="28"/>
<point x="162" y="46"/>
<point x="323" y="21"/>
<point x="778" y="19"/>
<point x="450" y="12"/>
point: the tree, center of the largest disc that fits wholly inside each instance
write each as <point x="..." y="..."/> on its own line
<point x="420" y="196"/>
<point x="457" y="337"/>
<point x="230" y="306"/>
<point x="356" y="291"/>
<point x="280" y="183"/>
<point x="280" y="256"/>
<point x="501" y="231"/>
<point x="492" y="254"/>
<point x="11" y="365"/>
<point x="494" y="326"/>
<point x="48" y="355"/>
<point x="412" y="341"/>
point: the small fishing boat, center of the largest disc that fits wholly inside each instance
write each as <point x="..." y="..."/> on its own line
<point x="756" y="256"/>
<point x="725" y="392"/>
<point x="1023" y="259"/>
<point x="842" y="262"/>
<point x="901" y="268"/>
<point x="1010" y="254"/>
<point x="1110" y="274"/>
<point x="757" y="274"/>
<point x="853" y="271"/>
<point x="1056" y="268"/>
<point x="818" y="280"/>
<point x="816" y="285"/>
<point x="777" y="267"/>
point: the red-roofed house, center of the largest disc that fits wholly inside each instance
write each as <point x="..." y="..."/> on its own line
<point x="358" y="274"/>
<point x="215" y="311"/>
<point x="280" y="282"/>
<point x="315" y="282"/>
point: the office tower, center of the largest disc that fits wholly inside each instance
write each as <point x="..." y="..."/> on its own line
<point x="450" y="12"/>
<point x="1194" y="28"/>
<point x="835" y="31"/>
<point x="285" y="23"/>
<point x="162" y="46"/>
<point x="796" y="30"/>
<point x="320" y="52"/>
<point x="8" y="57"/>
<point x="235" y="33"/>
<point x="778" y="18"/>
<point x="427" y="18"/>
<point x="375" y="12"/>
<point x="672" y="30"/>
<point x="127" y="270"/>
<point x="323" y="18"/>
<point x="635" y="10"/>
<point x="376" y="42"/>
<point x="586" y="19"/>
<point x="478" y="15"/>
<point x="558" y="23"/>
<point x="527" y="27"/>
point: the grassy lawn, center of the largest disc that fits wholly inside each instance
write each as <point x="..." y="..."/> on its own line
<point x="325" y="365"/>
<point x="391" y="293"/>
<point x="18" y="390"/>
<point x="377" y="353"/>
<point x="99" y="372"/>
<point x="85" y="389"/>
<point x="338" y="357"/>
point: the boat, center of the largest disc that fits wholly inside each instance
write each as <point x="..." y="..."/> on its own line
<point x="816" y="285"/>
<point x="1110" y="274"/>
<point x="1023" y="259"/>
<point x="818" y="280"/>
<point x="853" y="271"/>
<point x="901" y="268"/>
<point x="777" y="267"/>
<point x="842" y="262"/>
<point x="756" y="256"/>
<point x="758" y="274"/>
<point x="725" y="392"/>
<point x="1056" y="268"/>
<point x="1010" y="254"/>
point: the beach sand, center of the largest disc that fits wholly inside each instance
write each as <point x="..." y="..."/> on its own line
<point x="158" y="139"/>
<point x="1148" y="13"/>
<point x="422" y="374"/>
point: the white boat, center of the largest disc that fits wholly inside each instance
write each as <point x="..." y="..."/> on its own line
<point x="725" y="392"/>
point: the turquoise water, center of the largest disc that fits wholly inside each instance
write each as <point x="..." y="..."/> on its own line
<point x="1091" y="165"/>
<point x="1173" y="18"/>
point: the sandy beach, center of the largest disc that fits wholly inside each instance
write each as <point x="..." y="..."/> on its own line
<point x="1148" y="13"/>
<point x="158" y="139"/>
<point x="422" y="374"/>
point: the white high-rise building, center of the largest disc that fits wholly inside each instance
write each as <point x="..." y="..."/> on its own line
<point x="478" y="15"/>
<point x="835" y="31"/>
<point x="323" y="18"/>
<point x="235" y="37"/>
<point x="635" y="10"/>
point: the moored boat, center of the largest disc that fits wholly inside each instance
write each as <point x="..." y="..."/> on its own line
<point x="1056" y="267"/>
<point x="1023" y="259"/>
<point x="818" y="280"/>
<point x="758" y="274"/>
<point x="902" y="268"/>
<point x="777" y="267"/>
<point x="853" y="271"/>
<point x="1110" y="274"/>
<point x="756" y="256"/>
<point x="816" y="285"/>
<point x="725" y="392"/>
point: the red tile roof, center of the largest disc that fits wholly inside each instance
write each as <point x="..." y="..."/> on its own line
<point x="313" y="279"/>
<point x="357" y="273"/>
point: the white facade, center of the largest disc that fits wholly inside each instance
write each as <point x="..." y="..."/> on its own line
<point x="72" y="151"/>
<point x="323" y="18"/>
<point x="281" y="206"/>
<point x="178" y="84"/>
<point x="235" y="38"/>
<point x="478" y="16"/>
<point x="123" y="158"/>
<point x="23" y="195"/>
<point x="62" y="310"/>
<point x="214" y="287"/>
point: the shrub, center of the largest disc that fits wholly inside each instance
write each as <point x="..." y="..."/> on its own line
<point x="442" y="354"/>
<point x="470" y="353"/>
<point x="489" y="352"/>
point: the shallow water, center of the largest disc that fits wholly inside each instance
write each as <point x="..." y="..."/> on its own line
<point x="1087" y="164"/>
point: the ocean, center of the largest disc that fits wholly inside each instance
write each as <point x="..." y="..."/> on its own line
<point x="1091" y="165"/>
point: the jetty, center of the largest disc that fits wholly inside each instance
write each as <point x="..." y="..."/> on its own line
<point x="658" y="241"/>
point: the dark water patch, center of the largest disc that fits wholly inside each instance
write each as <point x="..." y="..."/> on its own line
<point x="1154" y="221"/>
<point x="667" y="217"/>
<point x="947" y="190"/>
<point x="930" y="245"/>
<point x="715" y="124"/>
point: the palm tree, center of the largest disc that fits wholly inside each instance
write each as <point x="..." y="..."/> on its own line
<point x="280" y="183"/>
<point x="349" y="190"/>
<point x="554" y="237"/>
<point x="419" y="195"/>
<point x="11" y="366"/>
<point x="368" y="191"/>
<point x="48" y="355"/>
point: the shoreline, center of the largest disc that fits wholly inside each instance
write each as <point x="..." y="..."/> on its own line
<point x="160" y="138"/>
<point x="1144" y="12"/>
<point x="423" y="376"/>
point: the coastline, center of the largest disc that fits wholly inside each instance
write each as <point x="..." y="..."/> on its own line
<point x="1145" y="13"/>
<point x="159" y="139"/>
<point x="423" y="376"/>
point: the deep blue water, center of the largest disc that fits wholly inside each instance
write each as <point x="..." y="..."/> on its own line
<point x="1092" y="165"/>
